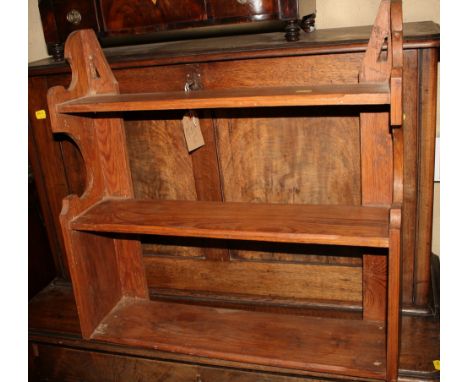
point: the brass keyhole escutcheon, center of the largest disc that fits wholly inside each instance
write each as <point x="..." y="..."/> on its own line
<point x="74" y="17"/>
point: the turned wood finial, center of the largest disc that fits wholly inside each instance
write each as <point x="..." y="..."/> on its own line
<point x="308" y="23"/>
<point x="56" y="51"/>
<point x="292" y="30"/>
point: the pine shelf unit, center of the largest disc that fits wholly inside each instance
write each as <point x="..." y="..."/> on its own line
<point x="100" y="227"/>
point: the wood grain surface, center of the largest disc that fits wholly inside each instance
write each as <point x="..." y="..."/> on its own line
<point x="313" y="224"/>
<point x="293" y="156"/>
<point x="54" y="311"/>
<point x="256" y="279"/>
<point x="132" y="17"/>
<point x="68" y="364"/>
<point x="157" y="151"/>
<point x="320" y="95"/>
<point x="419" y="35"/>
<point x="410" y="171"/>
<point x="99" y="281"/>
<point x="376" y="158"/>
<point x="427" y="132"/>
<point x="109" y="180"/>
<point x="324" y="345"/>
<point x="298" y="156"/>
<point x="274" y="71"/>
<point x="49" y="170"/>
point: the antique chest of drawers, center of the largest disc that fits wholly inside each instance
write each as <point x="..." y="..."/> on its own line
<point x="133" y="21"/>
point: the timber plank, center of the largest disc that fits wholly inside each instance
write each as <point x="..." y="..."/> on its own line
<point x="319" y="95"/>
<point x="286" y="223"/>
<point x="298" y="342"/>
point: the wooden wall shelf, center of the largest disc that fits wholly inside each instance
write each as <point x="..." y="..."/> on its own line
<point x="277" y="150"/>
<point x="106" y="268"/>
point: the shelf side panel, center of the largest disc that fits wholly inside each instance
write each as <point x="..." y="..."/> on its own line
<point x="99" y="264"/>
<point x="95" y="276"/>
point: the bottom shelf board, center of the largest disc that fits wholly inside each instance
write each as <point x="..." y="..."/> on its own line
<point x="323" y="345"/>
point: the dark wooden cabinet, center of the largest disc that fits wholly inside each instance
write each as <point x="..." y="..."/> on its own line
<point x="137" y="16"/>
<point x="295" y="279"/>
<point x="130" y="21"/>
<point x="41" y="269"/>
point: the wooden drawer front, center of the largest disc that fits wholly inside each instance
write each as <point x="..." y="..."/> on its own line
<point x="136" y="15"/>
<point x="52" y="363"/>
<point x="253" y="9"/>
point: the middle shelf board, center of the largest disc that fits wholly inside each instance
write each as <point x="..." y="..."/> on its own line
<point x="320" y="95"/>
<point x="281" y="223"/>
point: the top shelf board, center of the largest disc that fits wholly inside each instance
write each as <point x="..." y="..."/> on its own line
<point x="321" y="95"/>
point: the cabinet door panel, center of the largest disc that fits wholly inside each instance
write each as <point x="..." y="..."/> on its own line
<point x="134" y="15"/>
<point x="255" y="9"/>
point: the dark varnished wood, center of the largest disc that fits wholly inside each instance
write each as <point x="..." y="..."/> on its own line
<point x="427" y="132"/>
<point x="61" y="364"/>
<point x="327" y="41"/>
<point x="234" y="8"/>
<point x="48" y="170"/>
<point x="410" y="135"/>
<point x="56" y="26"/>
<point x="133" y="17"/>
<point x="261" y="338"/>
<point x="341" y="225"/>
<point x="120" y="22"/>
<point x="40" y="261"/>
<point x="54" y="310"/>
